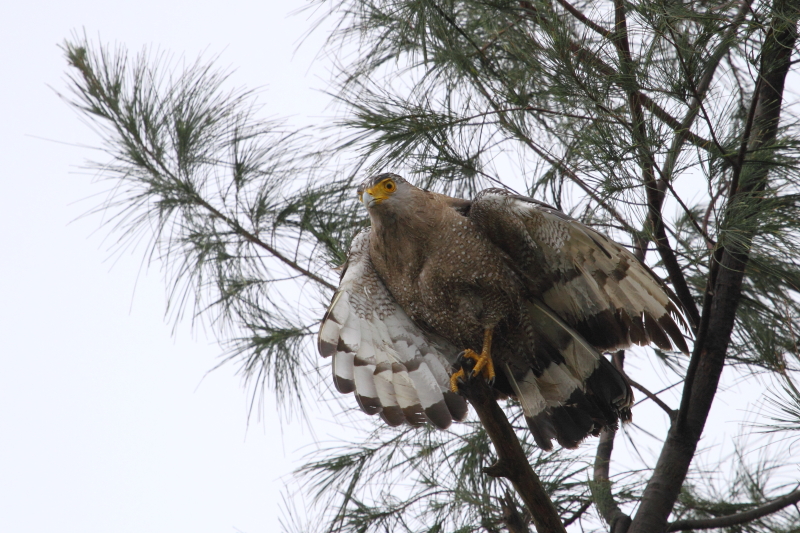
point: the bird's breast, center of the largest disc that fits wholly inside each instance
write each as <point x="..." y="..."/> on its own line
<point x="453" y="280"/>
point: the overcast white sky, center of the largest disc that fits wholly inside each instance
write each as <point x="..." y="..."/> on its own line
<point x="107" y="423"/>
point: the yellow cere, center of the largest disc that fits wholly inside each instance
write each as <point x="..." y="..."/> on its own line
<point x="382" y="190"/>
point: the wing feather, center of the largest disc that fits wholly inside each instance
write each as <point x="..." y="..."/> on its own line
<point x="393" y="367"/>
<point x="594" y="284"/>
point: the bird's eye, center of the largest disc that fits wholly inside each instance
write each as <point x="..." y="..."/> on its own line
<point x="389" y="185"/>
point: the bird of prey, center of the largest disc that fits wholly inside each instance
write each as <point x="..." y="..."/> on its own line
<point x="503" y="287"/>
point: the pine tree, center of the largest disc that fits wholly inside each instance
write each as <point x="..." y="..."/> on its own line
<point x="668" y="125"/>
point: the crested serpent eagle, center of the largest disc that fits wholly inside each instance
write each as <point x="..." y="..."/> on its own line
<point x="502" y="286"/>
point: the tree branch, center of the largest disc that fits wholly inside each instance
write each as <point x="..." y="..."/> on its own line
<point x="584" y="19"/>
<point x="512" y="518"/>
<point x="655" y="196"/>
<point x="577" y="514"/>
<point x="722" y="297"/>
<point x="671" y="413"/>
<point x="512" y="462"/>
<point x="601" y="484"/>
<point x="109" y="109"/>
<point x="591" y="59"/>
<point x="608" y="508"/>
<point x="700" y="91"/>
<point x="237" y="228"/>
<point x="737" y="518"/>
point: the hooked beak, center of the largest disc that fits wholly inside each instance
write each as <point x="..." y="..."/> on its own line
<point x="367" y="199"/>
<point x="372" y="197"/>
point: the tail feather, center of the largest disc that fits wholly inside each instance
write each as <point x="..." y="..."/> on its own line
<point x="542" y="429"/>
<point x="573" y="391"/>
<point x="572" y="425"/>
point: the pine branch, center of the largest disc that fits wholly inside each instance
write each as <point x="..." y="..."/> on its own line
<point x="239" y="230"/>
<point x="585" y="20"/>
<point x="578" y="514"/>
<point x="654" y="194"/>
<point x="708" y="357"/>
<point x="700" y="92"/>
<point x="738" y="518"/>
<point x="592" y="60"/>
<point x="671" y="413"/>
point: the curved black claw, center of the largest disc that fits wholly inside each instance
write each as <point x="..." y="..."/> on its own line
<point x="464" y="370"/>
<point x="465" y="363"/>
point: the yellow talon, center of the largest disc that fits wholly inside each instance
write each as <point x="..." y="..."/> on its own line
<point x="483" y="362"/>
<point x="454" y="379"/>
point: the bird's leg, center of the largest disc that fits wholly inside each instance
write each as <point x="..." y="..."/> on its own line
<point x="482" y="362"/>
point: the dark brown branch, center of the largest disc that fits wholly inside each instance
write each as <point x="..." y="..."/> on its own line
<point x="703" y="232"/>
<point x="591" y="59"/>
<point x="236" y="227"/>
<point x="658" y="401"/>
<point x="700" y="91"/>
<point x="512" y="463"/>
<point x="737" y="518"/>
<point x="584" y="19"/>
<point x="577" y="514"/>
<point x="234" y="224"/>
<point x="725" y="281"/>
<point x="654" y="193"/>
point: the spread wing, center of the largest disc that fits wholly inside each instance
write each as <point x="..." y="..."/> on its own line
<point x="592" y="283"/>
<point x="392" y="366"/>
<point x="585" y="294"/>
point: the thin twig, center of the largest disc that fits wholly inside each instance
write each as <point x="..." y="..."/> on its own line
<point x="577" y="514"/>
<point x="591" y="59"/>
<point x="709" y="241"/>
<point x="666" y="408"/>
<point x="584" y="19"/>
<point x="699" y="92"/>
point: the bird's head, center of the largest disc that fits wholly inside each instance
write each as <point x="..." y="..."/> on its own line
<point x="389" y="188"/>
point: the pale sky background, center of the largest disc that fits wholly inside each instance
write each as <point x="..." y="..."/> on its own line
<point x="108" y="422"/>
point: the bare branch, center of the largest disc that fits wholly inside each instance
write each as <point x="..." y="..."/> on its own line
<point x="699" y="92"/>
<point x="655" y="196"/>
<point x="591" y="59"/>
<point x="512" y="463"/>
<point x="577" y="514"/>
<point x="601" y="485"/>
<point x="658" y="401"/>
